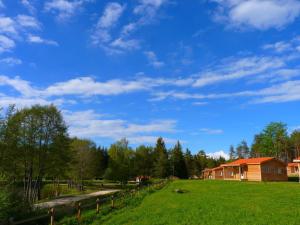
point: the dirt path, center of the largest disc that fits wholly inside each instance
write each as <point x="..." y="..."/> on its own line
<point x="68" y="200"/>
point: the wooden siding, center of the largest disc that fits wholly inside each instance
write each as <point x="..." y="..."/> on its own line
<point x="292" y="171"/>
<point x="253" y="172"/>
<point x="273" y="171"/>
<point x="218" y="174"/>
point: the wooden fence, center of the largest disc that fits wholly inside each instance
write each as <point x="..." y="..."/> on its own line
<point x="106" y="202"/>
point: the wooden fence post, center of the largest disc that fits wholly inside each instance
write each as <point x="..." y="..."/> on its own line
<point x="112" y="201"/>
<point x="51" y="213"/>
<point x="79" y="211"/>
<point x="98" y="205"/>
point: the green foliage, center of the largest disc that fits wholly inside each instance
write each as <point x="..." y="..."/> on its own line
<point x="295" y="142"/>
<point x="272" y="141"/>
<point x="242" y="150"/>
<point x="178" y="165"/>
<point x="121" y="163"/>
<point x="161" y="163"/>
<point x="12" y="204"/>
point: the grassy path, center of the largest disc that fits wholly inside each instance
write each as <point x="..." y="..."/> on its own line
<point x="215" y="203"/>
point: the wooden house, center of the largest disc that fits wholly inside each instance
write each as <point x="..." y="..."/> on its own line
<point x="253" y="169"/>
<point x="292" y="169"/>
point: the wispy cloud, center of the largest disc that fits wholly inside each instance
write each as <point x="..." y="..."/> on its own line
<point x="122" y="40"/>
<point x="91" y="124"/>
<point x="211" y="131"/>
<point x="29" y="5"/>
<point x="10" y="61"/>
<point x="64" y="9"/>
<point x="38" y="40"/>
<point x="16" y="29"/>
<point x="6" y="44"/>
<point x="153" y="61"/>
<point x="252" y="14"/>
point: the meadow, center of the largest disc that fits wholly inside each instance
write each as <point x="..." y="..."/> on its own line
<point x="212" y="202"/>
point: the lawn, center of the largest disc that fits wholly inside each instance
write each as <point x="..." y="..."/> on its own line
<point x="214" y="202"/>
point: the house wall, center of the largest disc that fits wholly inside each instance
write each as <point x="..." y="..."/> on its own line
<point x="253" y="172"/>
<point x="232" y="173"/>
<point x="273" y="171"/>
<point x="218" y="174"/>
<point x="292" y="171"/>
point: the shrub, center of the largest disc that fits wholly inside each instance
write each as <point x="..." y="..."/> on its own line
<point x="12" y="204"/>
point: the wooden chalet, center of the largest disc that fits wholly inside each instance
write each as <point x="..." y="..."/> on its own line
<point x="253" y="169"/>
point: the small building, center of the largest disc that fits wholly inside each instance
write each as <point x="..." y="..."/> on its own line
<point x="298" y="164"/>
<point x="292" y="169"/>
<point x="253" y="169"/>
<point x="207" y="174"/>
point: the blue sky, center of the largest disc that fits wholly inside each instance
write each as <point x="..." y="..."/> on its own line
<point x="209" y="73"/>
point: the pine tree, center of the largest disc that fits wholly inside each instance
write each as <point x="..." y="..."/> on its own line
<point x="231" y="152"/>
<point x="189" y="163"/>
<point x="161" y="162"/>
<point x="177" y="161"/>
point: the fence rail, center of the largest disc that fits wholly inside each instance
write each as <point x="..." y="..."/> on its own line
<point x="101" y="203"/>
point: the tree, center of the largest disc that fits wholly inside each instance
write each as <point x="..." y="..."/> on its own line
<point x="177" y="161"/>
<point x="161" y="162"/>
<point x="273" y="141"/>
<point x="85" y="161"/>
<point x="121" y="164"/>
<point x="189" y="163"/>
<point x="231" y="152"/>
<point x="35" y="138"/>
<point x="144" y="161"/>
<point x="295" y="141"/>
<point x="243" y="150"/>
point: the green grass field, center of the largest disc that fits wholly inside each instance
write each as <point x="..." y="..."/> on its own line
<point x="214" y="202"/>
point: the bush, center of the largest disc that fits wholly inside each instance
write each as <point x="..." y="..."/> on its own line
<point x="12" y="205"/>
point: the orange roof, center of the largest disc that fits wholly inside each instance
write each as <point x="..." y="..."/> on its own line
<point x="248" y="161"/>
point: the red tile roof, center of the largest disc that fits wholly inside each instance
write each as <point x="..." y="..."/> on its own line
<point x="248" y="161"/>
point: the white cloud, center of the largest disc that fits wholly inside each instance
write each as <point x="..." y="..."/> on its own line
<point x="239" y="68"/>
<point x="38" y="40"/>
<point x="211" y="131"/>
<point x="6" y="44"/>
<point x="258" y="14"/>
<point x="27" y="21"/>
<point x="7" y="26"/>
<point x="111" y="15"/>
<point x="152" y="58"/>
<point x="11" y="61"/>
<point x="147" y="9"/>
<point x="86" y="86"/>
<point x="64" y="9"/>
<point x="28" y="5"/>
<point x="200" y="103"/>
<point x="102" y="37"/>
<point x="91" y="124"/>
<point x="102" y="33"/>
<point x="218" y="154"/>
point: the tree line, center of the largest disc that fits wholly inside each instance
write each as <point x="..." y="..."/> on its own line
<point x="35" y="147"/>
<point x="274" y="140"/>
